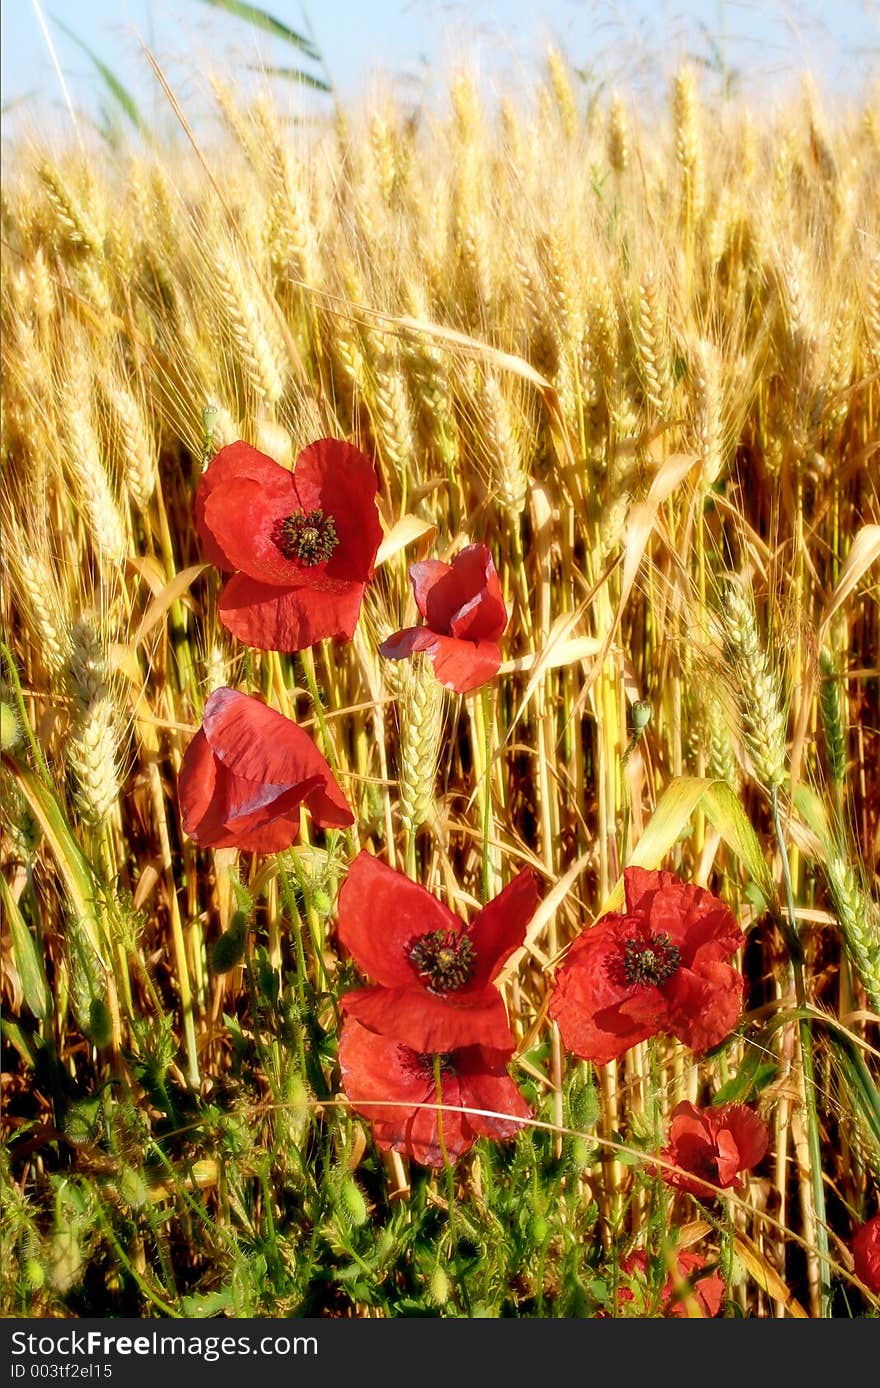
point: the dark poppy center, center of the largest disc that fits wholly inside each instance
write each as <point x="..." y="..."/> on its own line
<point x="309" y="537"/>
<point x="422" y="1063"/>
<point x="650" y="961"/>
<point x="445" y="959"/>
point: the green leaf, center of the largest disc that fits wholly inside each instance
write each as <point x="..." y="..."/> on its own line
<point x="725" y="812"/>
<point x="114" y="86"/>
<point x="292" y="74"/>
<point x="261" y="20"/>
<point x="34" y="987"/>
<point x="861" y="1089"/>
<point x="209" y="1304"/>
<point x="679" y="801"/>
<point x="13" y="1033"/>
<point x="754" y="1074"/>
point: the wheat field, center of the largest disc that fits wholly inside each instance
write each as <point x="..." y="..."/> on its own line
<point x="634" y="352"/>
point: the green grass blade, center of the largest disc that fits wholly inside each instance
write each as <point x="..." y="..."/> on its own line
<point x="34" y="988"/>
<point x="725" y="813"/>
<point x="261" y="20"/>
<point x="119" y="93"/>
<point x="292" y="74"/>
<point x="69" y="857"/>
<point x="679" y="801"/>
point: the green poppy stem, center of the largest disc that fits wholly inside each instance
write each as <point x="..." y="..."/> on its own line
<point x="814" y="1145"/>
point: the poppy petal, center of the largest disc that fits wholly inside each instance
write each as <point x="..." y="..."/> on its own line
<point x="244" y="516"/>
<point x="485" y="1084"/>
<point x="459" y="594"/>
<point x="686" y="1285"/>
<point x="600" y="1016"/>
<point x="423" y="1131"/>
<point x="236" y="461"/>
<point x="205" y="788"/>
<point x="395" y="1088"/>
<point x="196" y="786"/>
<point x="380" y="912"/>
<point x="287" y="619"/>
<point x="866" y="1254"/>
<point x="429" y="1023"/>
<point x="402" y="644"/>
<point x="423" y="576"/>
<point x="704" y="1007"/>
<point x="260" y="746"/>
<point x="464" y="665"/>
<point x="500" y="928"/>
<point x="271" y="837"/>
<point x="335" y="477"/>
<point x="376" y="1068"/>
<point x="483" y="616"/>
<point x="748" y="1132"/>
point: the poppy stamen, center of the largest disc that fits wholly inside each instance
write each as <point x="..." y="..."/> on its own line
<point x="652" y="961"/>
<point x="446" y="959"/>
<point x="309" y="537"/>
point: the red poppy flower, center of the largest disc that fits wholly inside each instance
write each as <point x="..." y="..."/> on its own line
<point x="300" y="545"/>
<point x="679" y="1292"/>
<point x="657" y="967"/>
<point x="714" y="1144"/>
<point x="435" y="973"/>
<point x="465" y="615"/>
<point x="385" y="1080"/>
<point x="866" y="1254"/>
<point x="246" y="773"/>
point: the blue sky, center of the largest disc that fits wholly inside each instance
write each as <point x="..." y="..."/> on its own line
<point x="420" y="41"/>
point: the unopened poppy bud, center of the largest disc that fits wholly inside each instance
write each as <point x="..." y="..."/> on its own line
<point x="133" y="1188"/>
<point x="354" y="1202"/>
<point x="439" y="1286"/>
<point x="100" y="1023"/>
<point x="581" y="1154"/>
<point x="322" y="902"/>
<point x="538" y="1229"/>
<point x="229" y="949"/>
<point x="10" y="728"/>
